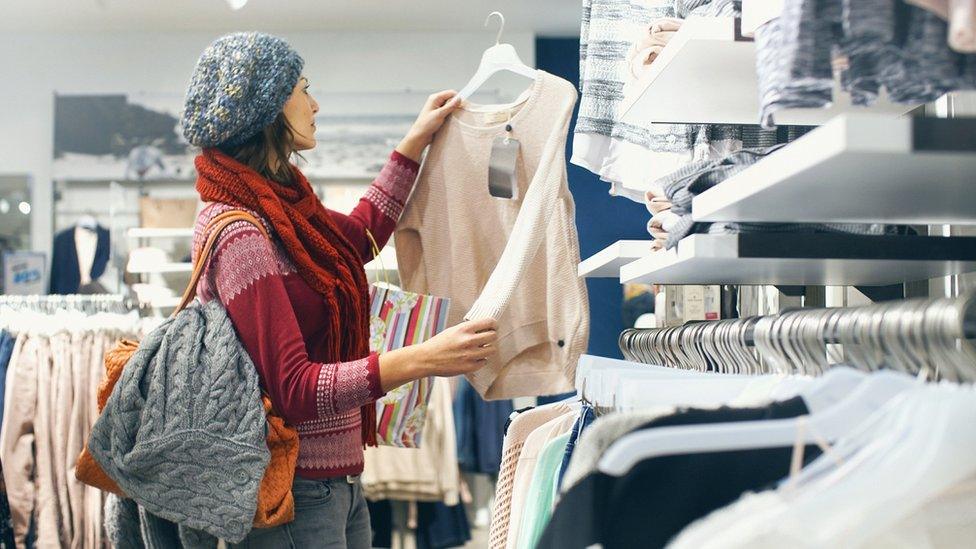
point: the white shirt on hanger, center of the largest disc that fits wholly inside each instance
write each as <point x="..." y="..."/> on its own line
<point x="86" y="242"/>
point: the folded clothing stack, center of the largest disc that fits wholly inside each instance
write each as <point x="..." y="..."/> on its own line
<point x="880" y="43"/>
<point x="671" y="207"/>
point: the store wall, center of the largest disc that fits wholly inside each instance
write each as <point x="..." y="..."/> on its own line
<point x="33" y="66"/>
<point x="601" y="219"/>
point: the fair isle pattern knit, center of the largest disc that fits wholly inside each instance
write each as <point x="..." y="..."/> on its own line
<point x="280" y="320"/>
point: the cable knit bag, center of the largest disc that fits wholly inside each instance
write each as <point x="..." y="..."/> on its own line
<point x="119" y="439"/>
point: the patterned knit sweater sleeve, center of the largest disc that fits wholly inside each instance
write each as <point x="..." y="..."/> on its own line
<point x="381" y="206"/>
<point x="249" y="274"/>
<point x="253" y="278"/>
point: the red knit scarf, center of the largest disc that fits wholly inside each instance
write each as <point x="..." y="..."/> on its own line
<point x="325" y="259"/>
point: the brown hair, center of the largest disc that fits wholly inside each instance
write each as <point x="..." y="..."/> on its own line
<point x="276" y="140"/>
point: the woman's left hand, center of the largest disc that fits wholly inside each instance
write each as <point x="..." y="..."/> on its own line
<point x="436" y="110"/>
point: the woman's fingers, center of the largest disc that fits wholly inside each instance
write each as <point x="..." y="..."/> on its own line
<point x="481" y="325"/>
<point x="484" y="338"/>
<point x="484" y="353"/>
<point x="440" y="99"/>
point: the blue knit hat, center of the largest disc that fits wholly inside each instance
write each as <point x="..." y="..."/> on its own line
<point x="239" y="86"/>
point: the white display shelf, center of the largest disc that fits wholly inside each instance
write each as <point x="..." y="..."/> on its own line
<point x="857" y="169"/>
<point x="607" y="262"/>
<point x="707" y="74"/>
<point x="755" y="13"/>
<point x="164" y="268"/>
<point x="165" y="302"/>
<point x="804" y="259"/>
<point x="140" y="232"/>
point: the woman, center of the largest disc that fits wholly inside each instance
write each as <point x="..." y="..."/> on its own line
<point x="299" y="301"/>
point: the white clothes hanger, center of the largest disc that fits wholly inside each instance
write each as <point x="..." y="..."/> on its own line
<point x="829" y="425"/>
<point x="917" y="446"/>
<point x="599" y="381"/>
<point x="634" y="394"/>
<point x="832" y="387"/>
<point x="500" y="57"/>
<point x="593" y="376"/>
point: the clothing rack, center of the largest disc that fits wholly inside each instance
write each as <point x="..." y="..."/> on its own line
<point x="935" y="338"/>
<point x="91" y="303"/>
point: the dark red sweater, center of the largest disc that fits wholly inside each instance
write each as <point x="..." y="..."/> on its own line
<point x="281" y="322"/>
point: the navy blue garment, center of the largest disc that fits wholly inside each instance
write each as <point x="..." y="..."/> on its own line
<point x="661" y="495"/>
<point x="440" y="526"/>
<point x="549" y="399"/>
<point x="586" y="417"/>
<point x="6" y="349"/>
<point x="381" y="522"/>
<point x="480" y="429"/>
<point x="6" y="526"/>
<point x="65" y="274"/>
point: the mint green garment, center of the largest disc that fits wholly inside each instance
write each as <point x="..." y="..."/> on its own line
<point x="542" y="492"/>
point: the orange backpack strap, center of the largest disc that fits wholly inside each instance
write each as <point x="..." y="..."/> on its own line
<point x="213" y="230"/>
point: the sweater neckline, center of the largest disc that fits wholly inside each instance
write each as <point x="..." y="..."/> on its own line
<point x="527" y="99"/>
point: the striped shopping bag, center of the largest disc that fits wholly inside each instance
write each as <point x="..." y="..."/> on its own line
<point x="397" y="319"/>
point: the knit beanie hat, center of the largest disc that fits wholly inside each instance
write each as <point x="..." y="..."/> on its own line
<point x="240" y="84"/>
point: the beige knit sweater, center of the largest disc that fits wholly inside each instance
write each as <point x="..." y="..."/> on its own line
<point x="514" y="260"/>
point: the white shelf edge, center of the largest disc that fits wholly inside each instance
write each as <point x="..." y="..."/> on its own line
<point x="165" y="268"/>
<point x="856" y="168"/>
<point x="607" y="262"/>
<point x="142" y="232"/>
<point x="714" y="259"/>
<point x="164" y="303"/>
<point x="756" y="13"/>
<point x="719" y="29"/>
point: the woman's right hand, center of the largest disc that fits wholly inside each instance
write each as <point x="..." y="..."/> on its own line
<point x="457" y="350"/>
<point x="460" y="349"/>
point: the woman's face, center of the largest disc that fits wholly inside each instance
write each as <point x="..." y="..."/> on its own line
<point x="300" y="112"/>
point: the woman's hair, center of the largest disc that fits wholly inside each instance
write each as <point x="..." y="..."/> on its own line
<point x="275" y="141"/>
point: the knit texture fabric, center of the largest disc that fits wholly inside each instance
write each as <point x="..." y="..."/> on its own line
<point x="86" y="468"/>
<point x="519" y="430"/>
<point x="513" y="260"/>
<point x="240" y="84"/>
<point x="183" y="432"/>
<point x="287" y="328"/>
<point x="323" y="256"/>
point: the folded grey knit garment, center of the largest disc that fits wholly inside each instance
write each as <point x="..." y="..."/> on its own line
<point x="926" y="68"/>
<point x="129" y="526"/>
<point x="686" y="227"/>
<point x="694" y="178"/>
<point x="793" y="61"/>
<point x="887" y="44"/>
<point x="707" y="8"/>
<point x="122" y="523"/>
<point x="183" y="432"/>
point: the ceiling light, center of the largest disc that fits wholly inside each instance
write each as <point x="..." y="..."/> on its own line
<point x="4" y="206"/>
<point x="25" y="208"/>
<point x="236" y="4"/>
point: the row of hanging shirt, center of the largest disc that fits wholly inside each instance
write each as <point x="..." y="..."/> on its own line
<point x="54" y="348"/>
<point x="854" y="457"/>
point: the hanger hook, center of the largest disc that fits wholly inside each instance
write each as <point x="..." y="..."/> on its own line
<point x="501" y="28"/>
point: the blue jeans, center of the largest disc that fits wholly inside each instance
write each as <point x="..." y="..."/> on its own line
<point x="329" y="514"/>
